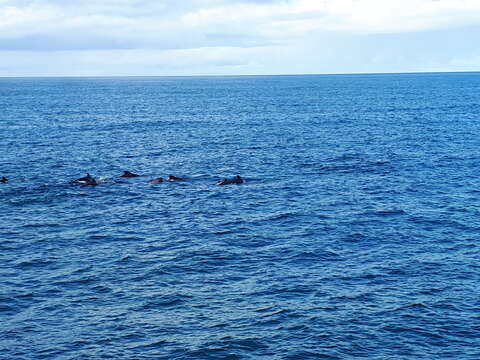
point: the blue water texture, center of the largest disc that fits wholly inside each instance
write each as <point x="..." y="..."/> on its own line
<point x="356" y="233"/>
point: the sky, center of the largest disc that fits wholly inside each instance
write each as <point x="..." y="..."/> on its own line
<point x="236" y="37"/>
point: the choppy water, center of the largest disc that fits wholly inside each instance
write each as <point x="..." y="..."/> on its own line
<point x="356" y="234"/>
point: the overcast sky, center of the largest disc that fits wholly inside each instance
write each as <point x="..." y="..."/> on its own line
<point x="218" y="37"/>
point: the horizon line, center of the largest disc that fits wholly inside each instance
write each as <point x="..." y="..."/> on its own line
<point x="238" y="75"/>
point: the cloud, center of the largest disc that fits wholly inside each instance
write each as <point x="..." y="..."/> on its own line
<point x="151" y="37"/>
<point x="377" y="16"/>
<point x="132" y="62"/>
<point x="147" y="24"/>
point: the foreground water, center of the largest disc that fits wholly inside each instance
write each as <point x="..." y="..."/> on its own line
<point x="356" y="234"/>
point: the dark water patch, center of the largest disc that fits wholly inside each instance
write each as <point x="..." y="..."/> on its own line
<point x="310" y="355"/>
<point x="77" y="283"/>
<point x="313" y="257"/>
<point x="34" y="264"/>
<point x="7" y="309"/>
<point x="162" y="301"/>
<point x="386" y="212"/>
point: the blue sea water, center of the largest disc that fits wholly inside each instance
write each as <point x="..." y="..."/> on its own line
<point x="356" y="234"/>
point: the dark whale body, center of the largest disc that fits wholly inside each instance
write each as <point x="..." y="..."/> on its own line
<point x="3" y="180"/>
<point x="128" y="174"/>
<point x="236" y="180"/>
<point x="92" y="182"/>
<point x="156" y="181"/>
<point x="174" y="178"/>
<point x="86" y="180"/>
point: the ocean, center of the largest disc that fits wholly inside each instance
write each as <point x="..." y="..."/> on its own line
<point x="355" y="235"/>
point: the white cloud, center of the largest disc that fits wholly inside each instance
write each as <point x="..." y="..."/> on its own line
<point x="152" y="24"/>
<point x="123" y="37"/>
<point x="131" y="62"/>
<point x="367" y="16"/>
<point x="377" y="16"/>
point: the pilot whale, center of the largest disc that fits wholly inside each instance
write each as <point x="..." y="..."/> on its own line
<point x="128" y="174"/>
<point x="156" y="181"/>
<point x="92" y="182"/>
<point x="3" y="180"/>
<point x="86" y="180"/>
<point x="174" y="178"/>
<point x="236" y="180"/>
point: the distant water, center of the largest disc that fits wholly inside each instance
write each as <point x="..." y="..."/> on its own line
<point x="355" y="236"/>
